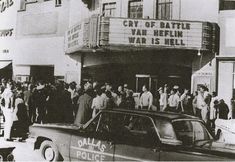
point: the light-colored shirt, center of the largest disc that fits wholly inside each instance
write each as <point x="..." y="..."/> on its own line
<point x="115" y="98"/>
<point x="146" y="99"/>
<point x="99" y="102"/>
<point x="96" y="105"/>
<point x="8" y="97"/>
<point x="73" y="93"/>
<point x="201" y="104"/>
<point x="163" y="100"/>
<point x="184" y="98"/>
<point x="173" y="100"/>
<point x="103" y="101"/>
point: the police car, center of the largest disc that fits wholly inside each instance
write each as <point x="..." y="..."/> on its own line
<point x="117" y="135"/>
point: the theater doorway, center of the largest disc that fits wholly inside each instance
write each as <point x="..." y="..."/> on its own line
<point x="42" y="73"/>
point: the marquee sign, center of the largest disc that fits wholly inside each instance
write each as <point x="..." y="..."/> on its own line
<point x="77" y="37"/>
<point x="74" y="38"/>
<point x="154" y="33"/>
<point x="114" y="32"/>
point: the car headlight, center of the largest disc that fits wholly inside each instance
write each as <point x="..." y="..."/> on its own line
<point x="10" y="157"/>
<point x="1" y="158"/>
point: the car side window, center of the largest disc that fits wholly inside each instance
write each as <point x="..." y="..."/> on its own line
<point x="124" y="128"/>
<point x="140" y="131"/>
<point x="111" y="124"/>
<point x="165" y="129"/>
<point x="106" y="124"/>
<point x="200" y="132"/>
<point x="190" y="131"/>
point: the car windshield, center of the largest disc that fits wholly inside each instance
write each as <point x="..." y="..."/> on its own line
<point x="189" y="132"/>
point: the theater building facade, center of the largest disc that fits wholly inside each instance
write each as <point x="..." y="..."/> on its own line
<point x="146" y="42"/>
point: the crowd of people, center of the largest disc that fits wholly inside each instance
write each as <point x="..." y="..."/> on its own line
<point x="202" y="104"/>
<point x="23" y="104"/>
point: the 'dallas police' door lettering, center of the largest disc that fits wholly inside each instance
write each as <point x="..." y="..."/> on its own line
<point x="92" y="150"/>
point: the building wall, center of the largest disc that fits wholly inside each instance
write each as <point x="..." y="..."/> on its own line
<point x="41" y="51"/>
<point x="226" y="56"/>
<point x="182" y="9"/>
<point x="40" y="37"/>
<point x="43" y="19"/>
<point x="227" y="34"/>
<point x="77" y="11"/>
<point x="225" y="81"/>
<point x="197" y="10"/>
<point x="8" y="21"/>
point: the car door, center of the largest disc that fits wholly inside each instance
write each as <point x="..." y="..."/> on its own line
<point x="93" y="143"/>
<point x="138" y="141"/>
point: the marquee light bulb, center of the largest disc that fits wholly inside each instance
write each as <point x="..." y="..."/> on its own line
<point x="199" y="53"/>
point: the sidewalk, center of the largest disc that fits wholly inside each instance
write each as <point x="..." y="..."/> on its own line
<point x="22" y="151"/>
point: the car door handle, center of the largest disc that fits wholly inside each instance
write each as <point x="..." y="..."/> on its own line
<point x="156" y="149"/>
<point x="110" y="143"/>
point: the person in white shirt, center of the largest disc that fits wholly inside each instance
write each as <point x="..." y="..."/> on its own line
<point x="163" y="99"/>
<point x="185" y="102"/>
<point x="146" y="99"/>
<point x="97" y="103"/>
<point x="173" y="101"/>
<point x="74" y="97"/>
<point x="201" y="104"/>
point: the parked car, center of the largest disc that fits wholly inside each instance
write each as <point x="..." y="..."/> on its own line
<point x="6" y="154"/>
<point x="114" y="135"/>
<point x="225" y="130"/>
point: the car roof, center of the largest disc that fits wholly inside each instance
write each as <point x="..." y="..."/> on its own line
<point x="166" y="115"/>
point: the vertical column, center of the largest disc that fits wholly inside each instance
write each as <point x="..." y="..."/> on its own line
<point x="225" y="82"/>
<point x="148" y="8"/>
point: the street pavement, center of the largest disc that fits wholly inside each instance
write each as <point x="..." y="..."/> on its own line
<point x="22" y="151"/>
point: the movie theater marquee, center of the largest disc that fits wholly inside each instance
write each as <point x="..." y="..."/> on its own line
<point x="175" y="34"/>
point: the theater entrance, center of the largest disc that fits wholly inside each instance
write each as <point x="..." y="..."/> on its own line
<point x="42" y="73"/>
<point x="150" y="81"/>
<point x="154" y="82"/>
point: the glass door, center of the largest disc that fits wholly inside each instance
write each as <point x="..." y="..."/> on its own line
<point x="150" y="81"/>
<point x="142" y="80"/>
